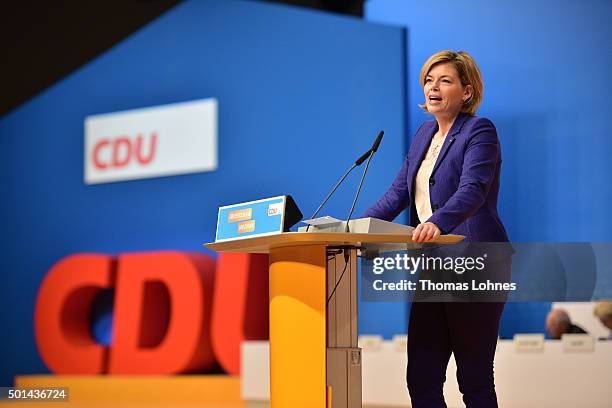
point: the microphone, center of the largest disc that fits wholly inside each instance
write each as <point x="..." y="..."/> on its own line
<point x="372" y="150"/>
<point x="358" y="162"/>
<point x="362" y="158"/>
<point x="377" y="141"/>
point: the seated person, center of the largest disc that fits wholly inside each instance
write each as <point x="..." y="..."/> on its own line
<point x="603" y="311"/>
<point x="559" y="323"/>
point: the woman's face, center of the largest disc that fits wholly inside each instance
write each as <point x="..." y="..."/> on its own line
<point x="444" y="92"/>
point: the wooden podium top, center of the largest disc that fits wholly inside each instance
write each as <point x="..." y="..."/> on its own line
<point x="263" y="245"/>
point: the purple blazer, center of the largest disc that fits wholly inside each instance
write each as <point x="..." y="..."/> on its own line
<point x="464" y="184"/>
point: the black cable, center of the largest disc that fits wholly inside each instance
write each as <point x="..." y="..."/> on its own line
<point x="331" y="253"/>
<point x="346" y="262"/>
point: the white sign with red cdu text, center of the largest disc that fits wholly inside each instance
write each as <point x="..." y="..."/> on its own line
<point x="158" y="141"/>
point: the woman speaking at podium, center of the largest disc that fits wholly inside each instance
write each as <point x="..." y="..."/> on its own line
<point x="450" y="182"/>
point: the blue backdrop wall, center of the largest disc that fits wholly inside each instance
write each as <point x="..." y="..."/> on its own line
<point x="546" y="66"/>
<point x="301" y="94"/>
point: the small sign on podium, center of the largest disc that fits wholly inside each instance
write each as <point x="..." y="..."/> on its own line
<point x="257" y="218"/>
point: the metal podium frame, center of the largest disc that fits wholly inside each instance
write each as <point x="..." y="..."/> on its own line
<point x="314" y="357"/>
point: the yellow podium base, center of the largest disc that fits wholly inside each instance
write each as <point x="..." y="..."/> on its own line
<point x="202" y="391"/>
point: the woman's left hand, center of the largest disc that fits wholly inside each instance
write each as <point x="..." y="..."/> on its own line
<point x="425" y="232"/>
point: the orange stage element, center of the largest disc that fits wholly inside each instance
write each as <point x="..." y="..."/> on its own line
<point x="298" y="327"/>
<point x="203" y="391"/>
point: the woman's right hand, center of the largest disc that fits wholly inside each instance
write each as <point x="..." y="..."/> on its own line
<point x="425" y="232"/>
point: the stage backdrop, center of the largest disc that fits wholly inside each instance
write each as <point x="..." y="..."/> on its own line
<point x="300" y="95"/>
<point x="545" y="65"/>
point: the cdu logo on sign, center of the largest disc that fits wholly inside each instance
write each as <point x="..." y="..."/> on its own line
<point x="158" y="141"/>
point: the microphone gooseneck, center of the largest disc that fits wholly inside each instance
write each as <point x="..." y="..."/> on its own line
<point x="358" y="162"/>
<point x="332" y="192"/>
<point x="372" y="151"/>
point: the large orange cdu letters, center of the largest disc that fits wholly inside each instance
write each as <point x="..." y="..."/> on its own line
<point x="240" y="309"/>
<point x="162" y="314"/>
<point x="61" y="316"/>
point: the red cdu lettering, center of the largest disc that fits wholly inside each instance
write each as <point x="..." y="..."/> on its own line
<point x="61" y="316"/>
<point x="142" y="159"/>
<point x="96" y="154"/>
<point x="173" y="313"/>
<point x="240" y="310"/>
<point x="122" y="151"/>
<point x="162" y="314"/>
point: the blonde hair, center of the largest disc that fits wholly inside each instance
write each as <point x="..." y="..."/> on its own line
<point x="603" y="309"/>
<point x="469" y="74"/>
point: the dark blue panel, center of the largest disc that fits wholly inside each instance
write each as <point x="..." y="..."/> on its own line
<point x="300" y="93"/>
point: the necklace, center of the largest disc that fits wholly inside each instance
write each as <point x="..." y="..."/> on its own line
<point x="436" y="143"/>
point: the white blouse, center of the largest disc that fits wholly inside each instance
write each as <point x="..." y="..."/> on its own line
<point x="421" y="188"/>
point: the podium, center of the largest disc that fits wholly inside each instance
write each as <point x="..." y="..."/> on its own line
<point x="315" y="361"/>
